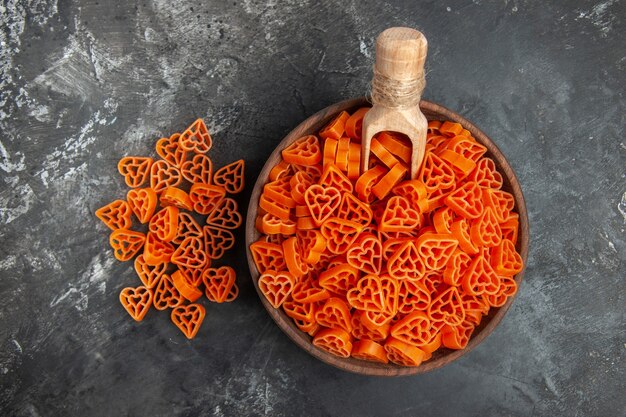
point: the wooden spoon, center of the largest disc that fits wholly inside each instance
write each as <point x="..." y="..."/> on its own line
<point x="397" y="86"/>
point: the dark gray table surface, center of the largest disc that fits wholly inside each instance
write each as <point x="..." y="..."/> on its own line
<point x="83" y="83"/>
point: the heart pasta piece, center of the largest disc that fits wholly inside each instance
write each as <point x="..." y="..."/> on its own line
<point x="312" y="171"/>
<point x="354" y="123"/>
<point x="309" y="327"/>
<point x="436" y="174"/>
<point x="460" y="230"/>
<point x="467" y="147"/>
<point x="156" y="252"/>
<point x="475" y="307"/>
<point x="461" y="166"/>
<point x="149" y="274"/>
<point x="402" y="353"/>
<point x="170" y="150"/>
<point x="115" y="215"/>
<point x="336" y="127"/>
<point x="276" y="286"/>
<point x="457" y="337"/>
<point x="466" y="201"/>
<point x="300" y="312"/>
<point x="135" y="170"/>
<point x="126" y="243"/>
<point x="336" y="341"/>
<point x="136" y="301"/>
<point x="351" y="208"/>
<point x="486" y="175"/>
<point x="505" y="260"/>
<point x="218" y="282"/>
<point x="369" y="350"/>
<point x="322" y="202"/>
<point x="281" y="170"/>
<point x="184" y="287"/>
<point x="397" y="144"/>
<point x="312" y="244"/>
<point x="308" y="290"/>
<point x="164" y="224"/>
<point x="188" y="319"/>
<point x="329" y="153"/>
<point x="480" y="278"/>
<point x="436" y="249"/>
<point x="367" y="295"/>
<point x="267" y="256"/>
<point x="196" y="138"/>
<point x="360" y="331"/>
<point x="447" y="308"/>
<point x="354" y="161"/>
<point x="456" y="267"/>
<point x="414" y="329"/>
<point x="341" y="157"/>
<point x="500" y="202"/>
<point x="334" y="178"/>
<point x="217" y="241"/>
<point x="166" y="295"/>
<point x="298" y="184"/>
<point x="380" y="152"/>
<point x="231" y="177"/>
<point x="367" y="181"/>
<point x="304" y="151"/>
<point x="406" y="262"/>
<point x="293" y="257"/>
<point x="335" y="313"/>
<point x="163" y="175"/>
<point x="435" y="344"/>
<point x="198" y="170"/>
<point x="187" y="227"/>
<point x="485" y="231"/>
<point x="339" y="279"/>
<point x="205" y="197"/>
<point x="193" y="276"/>
<point x="376" y="319"/>
<point x="280" y="192"/>
<point x="176" y="197"/>
<point x="442" y="219"/>
<point x="366" y="254"/>
<point x="274" y="208"/>
<point x="508" y="288"/>
<point x="415" y="192"/>
<point x="388" y="181"/>
<point x="399" y="216"/>
<point x="412" y="296"/>
<point x="225" y="215"/>
<point x="143" y="202"/>
<point x="190" y="253"/>
<point x="340" y="234"/>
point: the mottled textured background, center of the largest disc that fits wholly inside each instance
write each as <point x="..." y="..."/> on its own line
<point x="83" y="83"/>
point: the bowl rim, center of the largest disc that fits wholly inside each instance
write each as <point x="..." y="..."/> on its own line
<point x="365" y="367"/>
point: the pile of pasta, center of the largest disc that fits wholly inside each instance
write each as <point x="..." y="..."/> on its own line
<point x="190" y="221"/>
<point x="376" y="265"/>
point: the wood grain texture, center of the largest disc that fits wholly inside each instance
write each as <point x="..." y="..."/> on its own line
<point x="396" y="89"/>
<point x="442" y="356"/>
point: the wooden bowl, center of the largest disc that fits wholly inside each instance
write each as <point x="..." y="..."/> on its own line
<point x="442" y="356"/>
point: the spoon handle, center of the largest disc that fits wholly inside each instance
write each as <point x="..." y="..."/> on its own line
<point x="396" y="89"/>
<point x="401" y="53"/>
